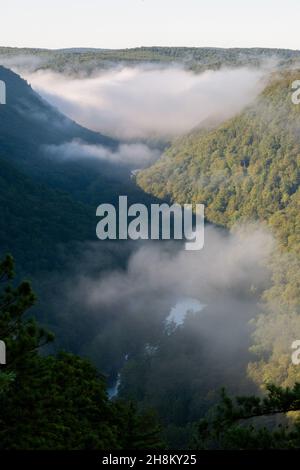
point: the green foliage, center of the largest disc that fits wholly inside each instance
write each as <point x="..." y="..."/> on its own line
<point x="49" y="204"/>
<point x="226" y="427"/>
<point x="180" y="376"/>
<point x="57" y="402"/>
<point x="39" y="218"/>
<point x="246" y="170"/>
<point x="76" y="61"/>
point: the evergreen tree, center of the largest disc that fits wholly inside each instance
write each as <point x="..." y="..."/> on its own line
<point x="226" y="426"/>
<point x="57" y="402"/>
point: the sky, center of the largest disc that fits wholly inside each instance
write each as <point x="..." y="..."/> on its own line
<point x="132" y="23"/>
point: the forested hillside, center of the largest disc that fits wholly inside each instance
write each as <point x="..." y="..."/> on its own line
<point x="47" y="202"/>
<point x="248" y="169"/>
<point x="36" y="220"/>
<point x="244" y="170"/>
<point x="87" y="60"/>
<point x="57" y="402"/>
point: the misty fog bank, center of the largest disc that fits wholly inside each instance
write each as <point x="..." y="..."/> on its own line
<point x="148" y="102"/>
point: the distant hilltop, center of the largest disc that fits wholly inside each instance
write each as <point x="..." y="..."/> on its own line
<point x="198" y="59"/>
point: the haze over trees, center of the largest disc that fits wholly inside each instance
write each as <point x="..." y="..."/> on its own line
<point x="57" y="402"/>
<point x="246" y="171"/>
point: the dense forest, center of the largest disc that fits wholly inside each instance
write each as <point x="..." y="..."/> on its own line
<point x="57" y="402"/>
<point x="61" y="403"/>
<point x="78" y="61"/>
<point x="38" y="191"/>
<point x="247" y="169"/>
<point x="166" y="377"/>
